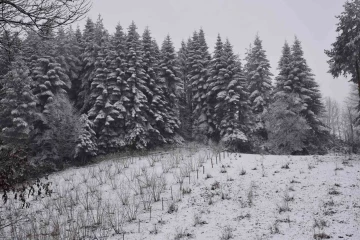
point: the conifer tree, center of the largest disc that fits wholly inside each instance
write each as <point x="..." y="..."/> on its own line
<point x="216" y="83"/>
<point x="258" y="76"/>
<point x="185" y="94"/>
<point x="304" y="84"/>
<point x="67" y="53"/>
<point x="198" y="74"/>
<point x="232" y="108"/>
<point x="295" y="77"/>
<point x="95" y="38"/>
<point x="86" y="146"/>
<point x="98" y="95"/>
<point x="282" y="85"/>
<point x="169" y="75"/>
<point x="17" y="106"/>
<point x="137" y="125"/>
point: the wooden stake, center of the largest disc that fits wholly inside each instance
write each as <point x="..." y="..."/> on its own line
<point x="203" y="169"/>
<point x="150" y="213"/>
<point x="172" y="198"/>
<point x="162" y="204"/>
<point x="197" y="173"/>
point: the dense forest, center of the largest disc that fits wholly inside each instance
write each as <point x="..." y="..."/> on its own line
<point x="73" y="94"/>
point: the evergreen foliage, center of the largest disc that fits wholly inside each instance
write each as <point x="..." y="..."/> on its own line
<point x="258" y="76"/>
<point x="17" y="106"/>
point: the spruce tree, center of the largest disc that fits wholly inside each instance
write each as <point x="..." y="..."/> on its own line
<point x="282" y="84"/>
<point x="137" y="125"/>
<point x="17" y="106"/>
<point x="185" y="94"/>
<point x="304" y="84"/>
<point x="198" y="74"/>
<point x="232" y="107"/>
<point x="295" y="77"/>
<point x="216" y="82"/>
<point x="95" y="38"/>
<point x="86" y="145"/>
<point x="169" y="75"/>
<point x="258" y="76"/>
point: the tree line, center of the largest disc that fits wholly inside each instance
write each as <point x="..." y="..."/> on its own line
<point x="74" y="94"/>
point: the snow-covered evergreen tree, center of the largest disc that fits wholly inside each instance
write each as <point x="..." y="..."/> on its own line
<point x="258" y="76"/>
<point x="86" y="146"/>
<point x="95" y="38"/>
<point x="67" y="53"/>
<point x="216" y="83"/>
<point x="99" y="95"/>
<point x="304" y="84"/>
<point x="17" y="106"/>
<point x="169" y="75"/>
<point x="232" y="107"/>
<point x="295" y="77"/>
<point x="198" y="75"/>
<point x="137" y="125"/>
<point x="185" y="94"/>
<point x="282" y="85"/>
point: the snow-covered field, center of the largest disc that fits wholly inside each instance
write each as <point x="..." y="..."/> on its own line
<point x="197" y="193"/>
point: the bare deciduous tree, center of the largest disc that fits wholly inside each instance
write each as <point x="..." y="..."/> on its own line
<point x="332" y="116"/>
<point x="41" y="14"/>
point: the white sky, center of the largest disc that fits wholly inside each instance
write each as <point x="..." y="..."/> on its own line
<point x="313" y="21"/>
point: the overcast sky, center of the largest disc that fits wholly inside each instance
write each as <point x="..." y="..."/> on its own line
<point x="313" y="21"/>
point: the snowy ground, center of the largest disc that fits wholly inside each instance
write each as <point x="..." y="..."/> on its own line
<point x="197" y="194"/>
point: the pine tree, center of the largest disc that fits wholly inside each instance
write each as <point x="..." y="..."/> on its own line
<point x="198" y="74"/>
<point x="258" y="76"/>
<point x="217" y="82"/>
<point x="304" y="84"/>
<point x="17" y="106"/>
<point x="169" y="75"/>
<point x="67" y="53"/>
<point x="49" y="79"/>
<point x="137" y="125"/>
<point x="232" y="105"/>
<point x="86" y="143"/>
<point x="118" y="42"/>
<point x="95" y="39"/>
<point x="282" y="85"/>
<point x="295" y="77"/>
<point x="185" y="94"/>
<point x="98" y="95"/>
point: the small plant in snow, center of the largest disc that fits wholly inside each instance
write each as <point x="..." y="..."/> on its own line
<point x="310" y="166"/>
<point x="333" y="191"/>
<point x="223" y="170"/>
<point x="227" y="233"/>
<point x="154" y="230"/>
<point x="274" y="228"/>
<point x="186" y="190"/>
<point x="208" y="176"/>
<point x="242" y="172"/>
<point x="166" y="165"/>
<point x="215" y="185"/>
<point x="198" y="220"/>
<point x="286" y="165"/>
<point x="284" y="207"/>
<point x="182" y="233"/>
<point x="319" y="225"/>
<point x="172" y="207"/>
<point x="288" y="197"/>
